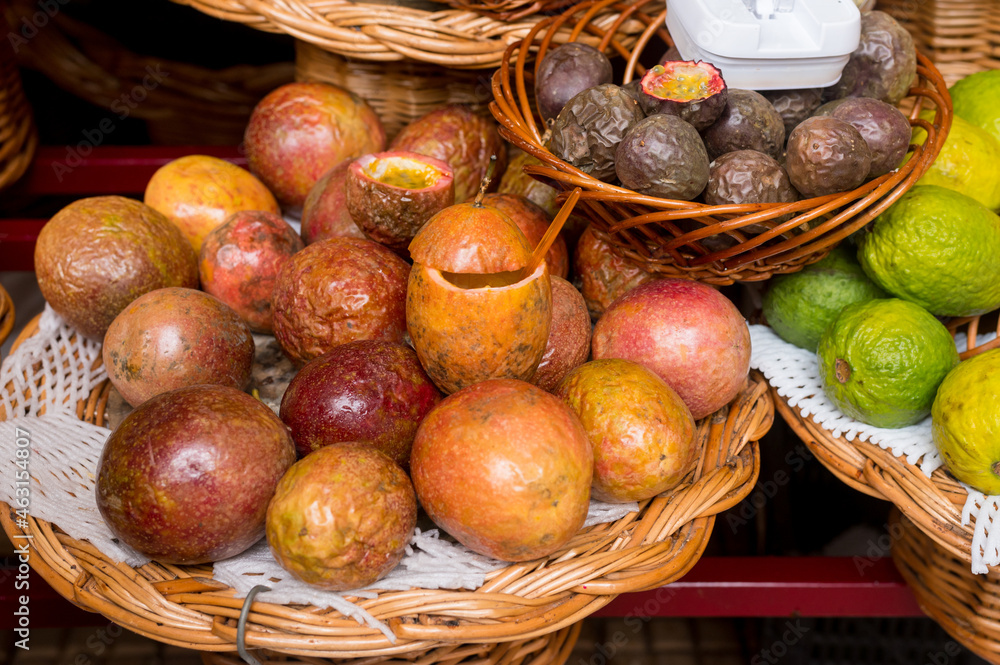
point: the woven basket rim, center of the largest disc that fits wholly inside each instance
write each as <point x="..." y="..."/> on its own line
<point x="6" y="314"/>
<point x="645" y="550"/>
<point x="959" y="601"/>
<point x="933" y="504"/>
<point x="456" y="38"/>
<point x="645" y="229"/>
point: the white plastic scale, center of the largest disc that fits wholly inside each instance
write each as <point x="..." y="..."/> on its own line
<point x="768" y="44"/>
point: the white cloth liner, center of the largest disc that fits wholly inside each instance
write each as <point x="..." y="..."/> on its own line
<point x="794" y="374"/>
<point x="64" y="452"/>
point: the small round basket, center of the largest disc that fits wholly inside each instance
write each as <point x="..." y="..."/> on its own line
<point x="934" y="504"/>
<point x="552" y="649"/>
<point x="185" y="606"/>
<point x="18" y="138"/>
<point x="714" y="244"/>
<point x="964" y="604"/>
<point x="87" y="63"/>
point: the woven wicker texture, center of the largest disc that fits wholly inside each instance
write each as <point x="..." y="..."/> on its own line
<point x="399" y="92"/>
<point x="552" y="649"/>
<point x="964" y="604"/>
<point x="167" y="95"/>
<point x="961" y="37"/>
<point x="18" y="139"/>
<point x="644" y="550"/>
<point x="934" y="504"/>
<point x="668" y="236"/>
<point x="6" y="315"/>
<point x="383" y="32"/>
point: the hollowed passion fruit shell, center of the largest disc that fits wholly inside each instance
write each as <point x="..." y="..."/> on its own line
<point x="693" y="91"/>
<point x="390" y="195"/>
<point x="469" y="314"/>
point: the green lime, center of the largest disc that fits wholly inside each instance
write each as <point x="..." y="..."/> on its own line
<point x="969" y="162"/>
<point x="937" y="248"/>
<point x="976" y="98"/>
<point x="800" y="306"/>
<point x="965" y="422"/>
<point x="881" y="361"/>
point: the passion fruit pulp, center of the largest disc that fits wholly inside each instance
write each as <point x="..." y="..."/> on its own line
<point x="693" y="91"/>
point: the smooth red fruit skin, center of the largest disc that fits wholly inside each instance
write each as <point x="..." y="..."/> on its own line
<point x="370" y="392"/>
<point x="173" y="338"/>
<point x="569" y="335"/>
<point x="691" y="335"/>
<point x="533" y="222"/>
<point x="300" y="131"/>
<point x="336" y="291"/>
<point x="186" y="478"/>
<point x="325" y="214"/>
<point x="240" y="261"/>
<point x="505" y="468"/>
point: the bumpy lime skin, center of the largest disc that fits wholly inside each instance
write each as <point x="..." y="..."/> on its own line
<point x="937" y="248"/>
<point x="965" y="421"/>
<point x="799" y="307"/>
<point x="881" y="361"/>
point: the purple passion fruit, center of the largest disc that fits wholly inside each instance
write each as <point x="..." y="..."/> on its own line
<point x="883" y="66"/>
<point x="693" y="91"/>
<point x="391" y="194"/>
<point x="826" y="155"/>
<point x="325" y="214"/>
<point x="794" y="106"/>
<point x="569" y="335"/>
<point x="748" y="176"/>
<point x="885" y="129"/>
<point x="591" y="125"/>
<point x="564" y="72"/>
<point x="749" y="122"/>
<point x="663" y="156"/>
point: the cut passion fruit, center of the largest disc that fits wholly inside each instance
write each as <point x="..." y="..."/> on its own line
<point x="390" y="195"/>
<point x="693" y="91"/>
<point x="470" y="314"/>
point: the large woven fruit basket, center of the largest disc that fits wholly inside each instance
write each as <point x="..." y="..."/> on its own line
<point x="185" y="606"/>
<point x="669" y="236"/>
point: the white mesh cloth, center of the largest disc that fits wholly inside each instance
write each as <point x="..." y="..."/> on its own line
<point x="794" y="374"/>
<point x="62" y="465"/>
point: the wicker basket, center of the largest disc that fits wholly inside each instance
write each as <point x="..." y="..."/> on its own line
<point x="6" y="315"/>
<point x="399" y="92"/>
<point x="552" y="649"/>
<point x="934" y="504"/>
<point x="387" y="30"/>
<point x="18" y="139"/>
<point x="965" y="605"/>
<point x="90" y="65"/>
<point x="668" y="236"/>
<point x="184" y="606"/>
<point x="961" y="37"/>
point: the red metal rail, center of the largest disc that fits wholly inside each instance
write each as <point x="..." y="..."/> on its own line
<point x="715" y="587"/>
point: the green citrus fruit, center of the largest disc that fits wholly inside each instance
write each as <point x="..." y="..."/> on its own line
<point x="881" y="361"/>
<point x="969" y="162"/>
<point x="976" y="98"/>
<point x="965" y="422"/>
<point x="937" y="248"/>
<point x="800" y="306"/>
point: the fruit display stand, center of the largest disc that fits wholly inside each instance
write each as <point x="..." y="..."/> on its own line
<point x="185" y="606"/>
<point x="935" y="548"/>
<point x="668" y="236"/>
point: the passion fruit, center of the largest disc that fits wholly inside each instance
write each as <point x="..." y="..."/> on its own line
<point x="587" y="131"/>
<point x="569" y="336"/>
<point x="749" y="122"/>
<point x="391" y="194"/>
<point x="693" y="91"/>
<point x="883" y="126"/>
<point x="470" y="313"/>
<point x="564" y="72"/>
<point x="748" y="176"/>
<point x="826" y="155"/>
<point x="663" y="156"/>
<point x="325" y="214"/>
<point x="604" y="276"/>
<point x="794" y="106"/>
<point x="533" y="222"/>
<point x="883" y="66"/>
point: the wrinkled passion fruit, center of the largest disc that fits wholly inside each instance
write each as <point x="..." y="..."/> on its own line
<point x="883" y="66"/>
<point x="826" y="155"/>
<point x="566" y="71"/>
<point x="693" y="91"/>
<point x="663" y="156"/>
<point x="884" y="127"/>
<point x="591" y="125"/>
<point x="748" y="176"/>
<point x="794" y="106"/>
<point x="391" y="194"/>
<point x="749" y="122"/>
